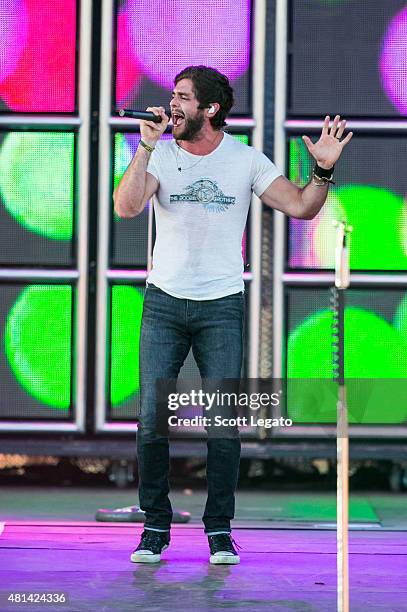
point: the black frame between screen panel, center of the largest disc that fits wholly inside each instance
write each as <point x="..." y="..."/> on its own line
<point x="76" y="68"/>
<point x="72" y="407"/>
<point x="314" y="132"/>
<point x="245" y="132"/>
<point x="249" y="71"/>
<point x="74" y="241"/>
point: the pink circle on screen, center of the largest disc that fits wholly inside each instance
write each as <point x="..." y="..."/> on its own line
<point x="13" y="35"/>
<point x="169" y="35"/>
<point x="44" y="80"/>
<point x="393" y="62"/>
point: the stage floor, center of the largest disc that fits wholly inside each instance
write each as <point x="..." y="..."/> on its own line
<point x="284" y="567"/>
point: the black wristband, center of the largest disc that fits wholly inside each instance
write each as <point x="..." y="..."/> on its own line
<point x="323" y="172"/>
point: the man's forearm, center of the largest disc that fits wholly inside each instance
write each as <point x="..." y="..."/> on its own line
<point x="312" y="199"/>
<point x="129" y="193"/>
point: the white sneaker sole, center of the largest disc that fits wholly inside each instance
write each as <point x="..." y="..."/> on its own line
<point x="140" y="557"/>
<point x="224" y="559"/>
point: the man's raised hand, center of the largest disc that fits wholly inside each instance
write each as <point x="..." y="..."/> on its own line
<point x="327" y="150"/>
<point x="149" y="130"/>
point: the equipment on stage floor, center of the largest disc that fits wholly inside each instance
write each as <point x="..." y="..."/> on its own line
<point x="342" y="279"/>
<point x="133" y="514"/>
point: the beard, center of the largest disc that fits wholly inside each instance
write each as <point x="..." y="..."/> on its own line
<point x="192" y="127"/>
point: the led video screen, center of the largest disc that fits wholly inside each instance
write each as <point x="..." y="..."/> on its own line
<point x="37" y="193"/>
<point x="176" y="34"/>
<point x="347" y="57"/>
<point x="36" y="339"/>
<point x="126" y="311"/>
<point x="38" y="56"/>
<point x="129" y="236"/>
<point x="375" y="355"/>
<point x="370" y="194"/>
<point x="123" y="353"/>
<point x="126" y="308"/>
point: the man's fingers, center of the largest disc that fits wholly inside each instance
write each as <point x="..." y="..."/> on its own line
<point x="153" y="125"/>
<point x="308" y="142"/>
<point x="341" y="129"/>
<point x="335" y="125"/>
<point x="347" y="139"/>
<point x="154" y="109"/>
<point x="325" y="126"/>
<point x="159" y="111"/>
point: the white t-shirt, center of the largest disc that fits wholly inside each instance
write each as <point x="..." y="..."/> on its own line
<point x="201" y="214"/>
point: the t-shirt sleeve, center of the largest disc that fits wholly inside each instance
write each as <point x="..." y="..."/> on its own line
<point x="264" y="172"/>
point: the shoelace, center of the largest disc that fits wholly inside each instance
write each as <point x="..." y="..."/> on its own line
<point x="236" y="544"/>
<point x="227" y="537"/>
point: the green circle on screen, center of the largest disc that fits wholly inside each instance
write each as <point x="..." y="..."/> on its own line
<point x="127" y="308"/>
<point x="373" y="348"/>
<point x="375" y="369"/>
<point x="38" y="343"/>
<point x="378" y="218"/>
<point x="36" y="181"/>
<point x="400" y="317"/>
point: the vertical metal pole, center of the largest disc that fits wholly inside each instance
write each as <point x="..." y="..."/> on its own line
<point x="105" y="204"/>
<point x="259" y="47"/>
<point x="342" y="455"/>
<point x="342" y="434"/>
<point x="85" y="46"/>
<point x="280" y="161"/>
<point x="342" y="502"/>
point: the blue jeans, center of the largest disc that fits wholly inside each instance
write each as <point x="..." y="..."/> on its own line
<point x="170" y="327"/>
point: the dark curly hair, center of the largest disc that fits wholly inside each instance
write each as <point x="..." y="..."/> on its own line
<point x="210" y="86"/>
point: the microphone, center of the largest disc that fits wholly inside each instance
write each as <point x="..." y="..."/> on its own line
<point x="144" y="115"/>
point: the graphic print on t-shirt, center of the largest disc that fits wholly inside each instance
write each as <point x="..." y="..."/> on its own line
<point x="207" y="193"/>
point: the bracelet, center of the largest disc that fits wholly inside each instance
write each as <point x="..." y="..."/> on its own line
<point x="320" y="181"/>
<point x="323" y="172"/>
<point x="146" y="146"/>
<point x="324" y="175"/>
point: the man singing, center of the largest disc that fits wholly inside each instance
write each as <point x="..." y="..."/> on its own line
<point x="202" y="181"/>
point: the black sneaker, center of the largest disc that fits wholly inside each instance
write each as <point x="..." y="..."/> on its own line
<point x="151" y="545"/>
<point x="222" y="549"/>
